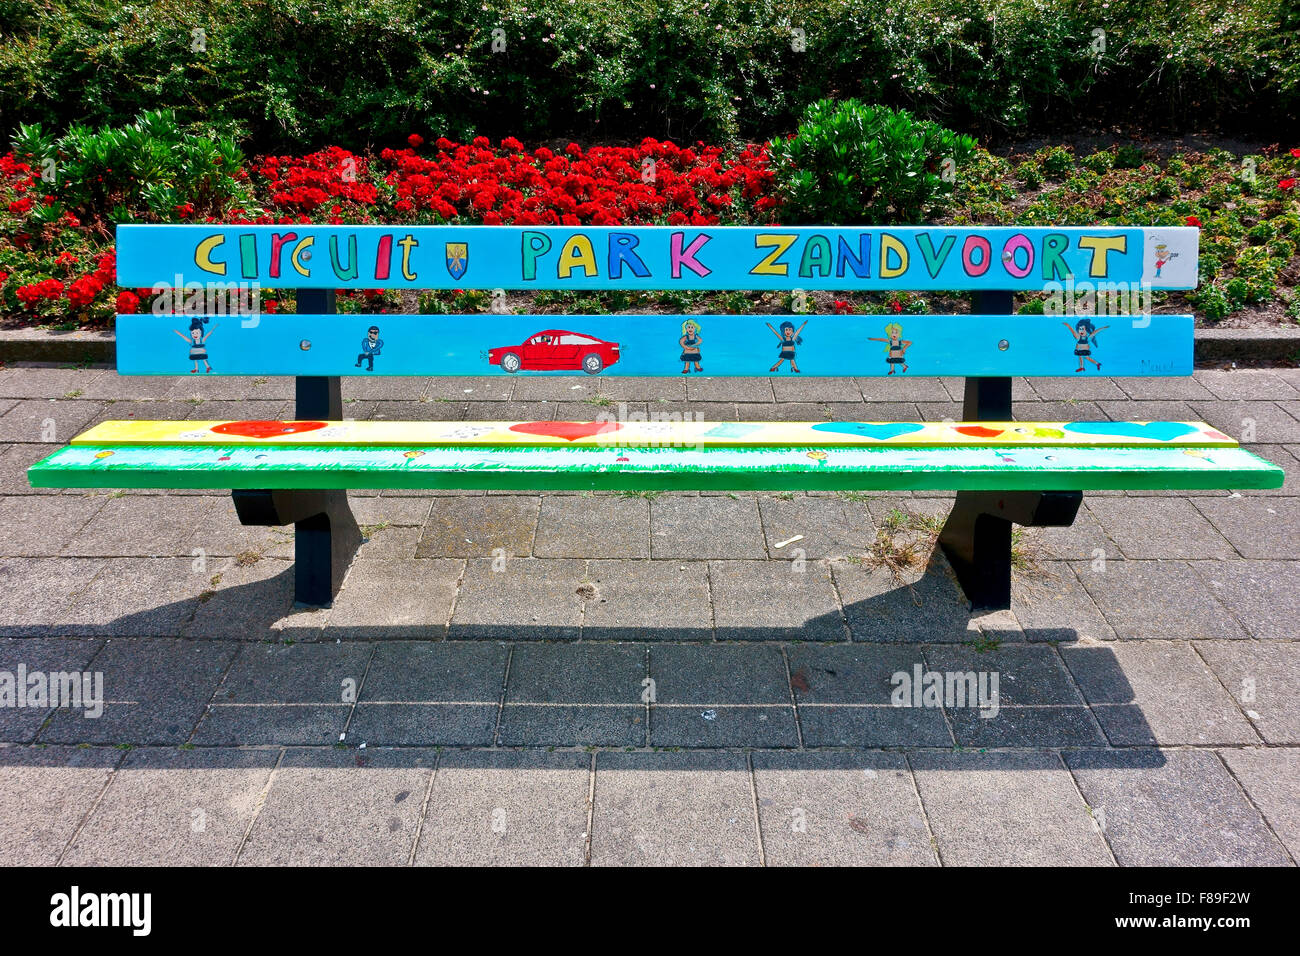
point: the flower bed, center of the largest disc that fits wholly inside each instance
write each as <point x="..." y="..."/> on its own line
<point x="56" y="254"/>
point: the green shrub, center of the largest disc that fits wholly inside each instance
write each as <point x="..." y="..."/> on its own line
<point x="151" y="168"/>
<point x="853" y="164"/>
<point x="1057" y="162"/>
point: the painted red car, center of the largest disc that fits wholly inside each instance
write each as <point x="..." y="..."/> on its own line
<point x="555" y="350"/>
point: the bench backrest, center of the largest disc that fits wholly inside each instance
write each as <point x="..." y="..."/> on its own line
<point x="1109" y="271"/>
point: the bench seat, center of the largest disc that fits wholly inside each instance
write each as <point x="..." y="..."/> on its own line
<point x="572" y="456"/>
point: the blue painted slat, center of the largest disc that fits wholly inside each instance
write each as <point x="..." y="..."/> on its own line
<point x="656" y="257"/>
<point x="651" y="345"/>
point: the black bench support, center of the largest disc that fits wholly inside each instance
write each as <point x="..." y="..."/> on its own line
<point x="326" y="536"/>
<point x="977" y="535"/>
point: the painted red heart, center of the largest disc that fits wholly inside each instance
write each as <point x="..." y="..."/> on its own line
<point x="571" y="431"/>
<point x="266" y="429"/>
<point x="979" y="431"/>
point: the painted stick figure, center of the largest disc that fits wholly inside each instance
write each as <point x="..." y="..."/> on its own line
<point x="198" y="343"/>
<point x="371" y="346"/>
<point x="1163" y="255"/>
<point x="1084" y="334"/>
<point x="897" y="348"/>
<point x="690" y="343"/>
<point x="790" y="337"/>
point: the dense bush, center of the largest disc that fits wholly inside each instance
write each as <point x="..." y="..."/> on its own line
<point x="850" y="163"/>
<point x="294" y="74"/>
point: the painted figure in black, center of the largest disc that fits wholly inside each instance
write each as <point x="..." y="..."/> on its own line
<point x="371" y="346"/>
<point x="790" y="337"/>
<point x="1084" y="334"/>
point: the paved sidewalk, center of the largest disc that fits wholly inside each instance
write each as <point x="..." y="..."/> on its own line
<point x="607" y="679"/>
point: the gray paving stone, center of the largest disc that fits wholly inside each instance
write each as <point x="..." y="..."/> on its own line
<point x="1000" y="809"/>
<point x="175" y="808"/>
<point x="251" y="725"/>
<point x="1253" y="592"/>
<point x="876" y="412"/>
<point x="1052" y="605"/>
<point x="577" y="674"/>
<point x="475" y="527"/>
<point x="34" y="592"/>
<point x="1173" y="808"/>
<point x="406" y="725"/>
<point x="109" y="385"/>
<point x="726" y="674"/>
<point x="295" y="674"/>
<point x="593" y="527"/>
<point x="14" y="462"/>
<point x="154" y="690"/>
<point x="133" y="597"/>
<point x="388" y="543"/>
<point x="1027" y="676"/>
<point x="45" y="793"/>
<point x="46" y="420"/>
<point x="395" y="598"/>
<point x="415" y="411"/>
<point x="826" y="527"/>
<point x="1163" y="388"/>
<point x="592" y="725"/>
<point x="40" y="525"/>
<point x="901" y="388"/>
<point x="798" y="389"/>
<point x="417" y="671"/>
<point x="145" y="526"/>
<point x="1158" y="528"/>
<point x="398" y="512"/>
<point x="783" y="412"/>
<point x="252" y="602"/>
<point x="28" y="381"/>
<point x="871" y="726"/>
<point x="1271" y="423"/>
<point x="1057" y="388"/>
<point x="1162" y="411"/>
<point x="528" y="599"/>
<point x="734" y="726"/>
<point x="1271" y="778"/>
<point x="512" y="411"/>
<point x="333" y="806"/>
<point x="1240" y="384"/>
<point x="849" y="674"/>
<point x="1262" y="678"/>
<point x="1079" y="541"/>
<point x="1257" y="527"/>
<point x="706" y="527"/>
<point x="493" y="808"/>
<point x="917" y="607"/>
<point x="648" y="601"/>
<point x="1033" y="727"/>
<point x="274" y="409"/>
<point x="673" y="809"/>
<point x="774" y="600"/>
<point x="22" y="658"/>
<point x="835" y="809"/>
<point x="477" y="387"/>
<point x="234" y="387"/>
<point x="1157" y="599"/>
<point x="1066" y="410"/>
<point x="1156" y="692"/>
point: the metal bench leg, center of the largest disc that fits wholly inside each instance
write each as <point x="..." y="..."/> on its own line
<point x="326" y="535"/>
<point x="977" y="537"/>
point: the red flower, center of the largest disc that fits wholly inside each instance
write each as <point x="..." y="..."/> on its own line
<point x="127" y="303"/>
<point x="270" y="305"/>
<point x="896" y="306"/>
<point x="1296" y="152"/>
<point x="1193" y="221"/>
<point x="1286" y="184"/>
<point x="416" y="140"/>
<point x="20" y="207"/>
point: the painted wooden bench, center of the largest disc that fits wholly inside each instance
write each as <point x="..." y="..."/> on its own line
<point x="1004" y="471"/>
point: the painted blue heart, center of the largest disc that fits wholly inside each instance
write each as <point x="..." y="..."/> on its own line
<point x="1156" y="431"/>
<point x="880" y="431"/>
